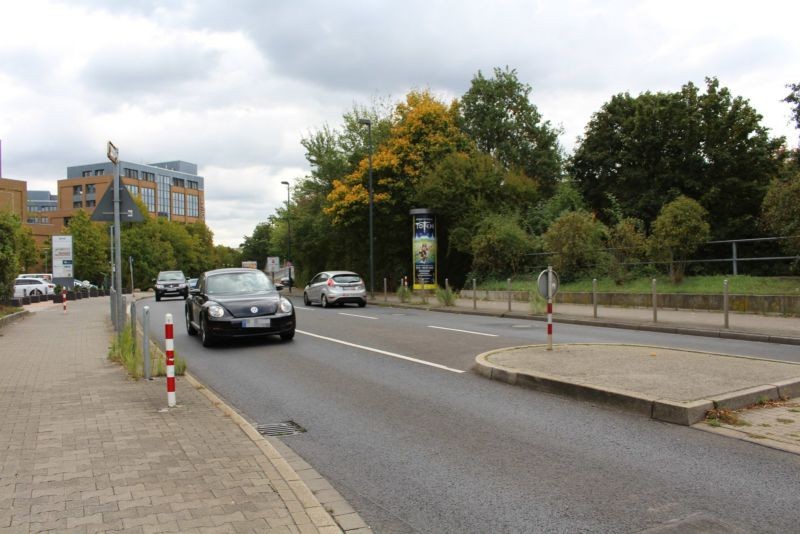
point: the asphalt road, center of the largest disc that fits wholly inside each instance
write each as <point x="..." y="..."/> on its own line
<point x="417" y="443"/>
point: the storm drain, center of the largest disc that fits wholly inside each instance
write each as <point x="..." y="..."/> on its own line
<point x="286" y="428"/>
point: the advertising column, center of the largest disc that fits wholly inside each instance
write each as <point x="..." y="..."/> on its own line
<point x="62" y="260"/>
<point x="423" y="247"/>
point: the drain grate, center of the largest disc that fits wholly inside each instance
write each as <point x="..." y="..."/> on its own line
<point x="286" y="428"/>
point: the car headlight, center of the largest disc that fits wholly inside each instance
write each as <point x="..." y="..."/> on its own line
<point x="181" y="285"/>
<point x="159" y="286"/>
<point x="286" y="306"/>
<point x="216" y="310"/>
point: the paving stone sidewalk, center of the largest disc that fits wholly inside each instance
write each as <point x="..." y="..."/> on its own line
<point x="84" y="449"/>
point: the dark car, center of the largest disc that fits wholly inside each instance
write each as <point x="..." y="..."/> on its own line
<point x="237" y="303"/>
<point x="171" y="283"/>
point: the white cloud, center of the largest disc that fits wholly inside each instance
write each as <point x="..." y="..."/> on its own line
<point x="234" y="86"/>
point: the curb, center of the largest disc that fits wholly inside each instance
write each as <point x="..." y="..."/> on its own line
<point x="14" y="317"/>
<point x="682" y="413"/>
<point x="311" y="506"/>
<point x="644" y="327"/>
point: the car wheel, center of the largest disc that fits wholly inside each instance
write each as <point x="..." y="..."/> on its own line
<point x="205" y="337"/>
<point x="362" y="303"/>
<point x="35" y="292"/>
<point x="305" y="299"/>
<point x="189" y="328"/>
<point x="324" y="301"/>
<point x="185" y="296"/>
<point x="287" y="336"/>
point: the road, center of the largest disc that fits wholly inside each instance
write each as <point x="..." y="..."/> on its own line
<point x="417" y="443"/>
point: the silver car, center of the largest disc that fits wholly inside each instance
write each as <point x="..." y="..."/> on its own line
<point x="335" y="287"/>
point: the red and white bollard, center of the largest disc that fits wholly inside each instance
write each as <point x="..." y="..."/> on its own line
<point x="170" y="346"/>
<point x="64" y="299"/>
<point x="549" y="308"/>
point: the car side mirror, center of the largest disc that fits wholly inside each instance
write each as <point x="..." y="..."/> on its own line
<point x="278" y="286"/>
<point x="194" y="291"/>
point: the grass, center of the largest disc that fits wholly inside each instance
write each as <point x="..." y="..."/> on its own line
<point x="718" y="417"/>
<point x="741" y="285"/>
<point x="121" y="351"/>
<point x="446" y="296"/>
<point x="404" y="294"/>
<point x="8" y="310"/>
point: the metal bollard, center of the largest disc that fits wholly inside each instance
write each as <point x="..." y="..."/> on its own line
<point x="655" y="302"/>
<point x="385" y="290"/>
<point x="508" y="283"/>
<point x="113" y="294"/>
<point x="594" y="297"/>
<point x="725" y="302"/>
<point x="474" y="295"/>
<point x="146" y="341"/>
<point x="446" y="284"/>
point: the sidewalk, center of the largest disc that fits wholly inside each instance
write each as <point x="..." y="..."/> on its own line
<point x="770" y="329"/>
<point x="84" y="449"/>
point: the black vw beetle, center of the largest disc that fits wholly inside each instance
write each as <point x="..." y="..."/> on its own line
<point x="237" y="303"/>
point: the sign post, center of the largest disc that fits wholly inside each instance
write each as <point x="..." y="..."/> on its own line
<point x="548" y="287"/>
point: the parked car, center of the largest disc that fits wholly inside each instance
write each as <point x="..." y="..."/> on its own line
<point x="238" y="303"/>
<point x="192" y="282"/>
<point x="171" y="283"/>
<point x="44" y="276"/>
<point x="25" y="287"/>
<point x="330" y="288"/>
<point x="83" y="284"/>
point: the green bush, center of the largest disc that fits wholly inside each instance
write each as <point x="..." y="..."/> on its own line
<point x="577" y="240"/>
<point x="537" y="302"/>
<point x="121" y="351"/>
<point x="446" y="296"/>
<point x="404" y="293"/>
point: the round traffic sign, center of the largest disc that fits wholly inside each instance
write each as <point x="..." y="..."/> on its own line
<point x="541" y="283"/>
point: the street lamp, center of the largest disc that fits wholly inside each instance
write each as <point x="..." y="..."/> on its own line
<point x="368" y="124"/>
<point x="289" y="237"/>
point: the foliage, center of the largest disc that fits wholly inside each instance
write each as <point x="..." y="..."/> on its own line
<point x="794" y="99"/>
<point x="445" y="296"/>
<point x="577" y="239"/>
<point x="10" y="229"/>
<point x="781" y="211"/>
<point x="566" y="198"/>
<point x="499" y="116"/>
<point x="701" y="285"/>
<point x="223" y="255"/>
<point x="28" y="252"/>
<point x="648" y="150"/>
<point x="403" y="293"/>
<point x="499" y="246"/>
<point x="628" y="244"/>
<point x="90" y="247"/>
<point x="678" y="231"/>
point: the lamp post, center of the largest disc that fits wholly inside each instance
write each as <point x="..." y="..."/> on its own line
<point x="368" y="124"/>
<point x="289" y="237"/>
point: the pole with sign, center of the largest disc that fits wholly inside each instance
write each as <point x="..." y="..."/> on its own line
<point x="548" y="287"/>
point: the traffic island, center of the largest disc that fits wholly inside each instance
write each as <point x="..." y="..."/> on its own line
<point x="673" y="385"/>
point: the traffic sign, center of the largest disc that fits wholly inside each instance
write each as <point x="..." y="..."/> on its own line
<point x="273" y="263"/>
<point x="112" y="153"/>
<point x="128" y="210"/>
<point x="541" y="283"/>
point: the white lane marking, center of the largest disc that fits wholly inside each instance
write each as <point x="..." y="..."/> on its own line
<point x="463" y="331"/>
<point x="309" y="308"/>
<point x="354" y="315"/>
<point x="379" y="351"/>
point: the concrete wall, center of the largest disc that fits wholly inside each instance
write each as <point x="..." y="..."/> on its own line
<point x="762" y="304"/>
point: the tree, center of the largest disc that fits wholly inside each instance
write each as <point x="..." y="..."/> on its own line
<point x="627" y="244"/>
<point x="648" y="150"/>
<point x="781" y="211"/>
<point x="89" y="247"/>
<point x="225" y="256"/>
<point x="9" y="255"/>
<point x="794" y="99"/>
<point x="567" y="198"/>
<point x="576" y="240"/>
<point x="678" y="232"/>
<point x="499" y="116"/>
<point x="499" y="246"/>
<point x="28" y="252"/>
<point x="257" y="246"/>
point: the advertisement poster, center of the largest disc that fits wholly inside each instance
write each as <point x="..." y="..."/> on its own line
<point x="423" y="247"/>
<point x="62" y="256"/>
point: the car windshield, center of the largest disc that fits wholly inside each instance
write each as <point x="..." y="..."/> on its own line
<point x="171" y="276"/>
<point x="346" y="278"/>
<point x="238" y="283"/>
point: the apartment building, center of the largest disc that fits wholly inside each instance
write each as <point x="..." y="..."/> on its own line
<point x="13" y="197"/>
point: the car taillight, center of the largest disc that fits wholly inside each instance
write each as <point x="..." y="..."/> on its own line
<point x="331" y="283"/>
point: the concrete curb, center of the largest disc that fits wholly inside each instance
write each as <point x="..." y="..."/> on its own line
<point x="311" y="506"/>
<point x="645" y="327"/>
<point x="8" y="319"/>
<point x="683" y="413"/>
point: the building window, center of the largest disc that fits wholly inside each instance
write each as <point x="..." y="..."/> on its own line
<point x="134" y="189"/>
<point x="98" y="172"/>
<point x="77" y="204"/>
<point x="148" y="176"/>
<point x="86" y="173"/>
<point x="91" y="203"/>
<point x="192" y="184"/>
<point x="192" y="206"/>
<point x="162" y="195"/>
<point x="178" y="182"/>
<point x="77" y="189"/>
<point x="149" y="198"/>
<point x="131" y="173"/>
<point x="91" y="189"/>
<point x="178" y="204"/>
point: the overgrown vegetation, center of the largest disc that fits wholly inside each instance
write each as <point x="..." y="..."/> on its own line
<point x="8" y="310"/>
<point x="446" y="297"/>
<point x="122" y="351"/>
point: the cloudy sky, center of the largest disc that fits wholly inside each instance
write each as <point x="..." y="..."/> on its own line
<point x="234" y="85"/>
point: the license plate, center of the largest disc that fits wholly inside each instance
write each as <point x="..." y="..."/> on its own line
<point x="256" y="322"/>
